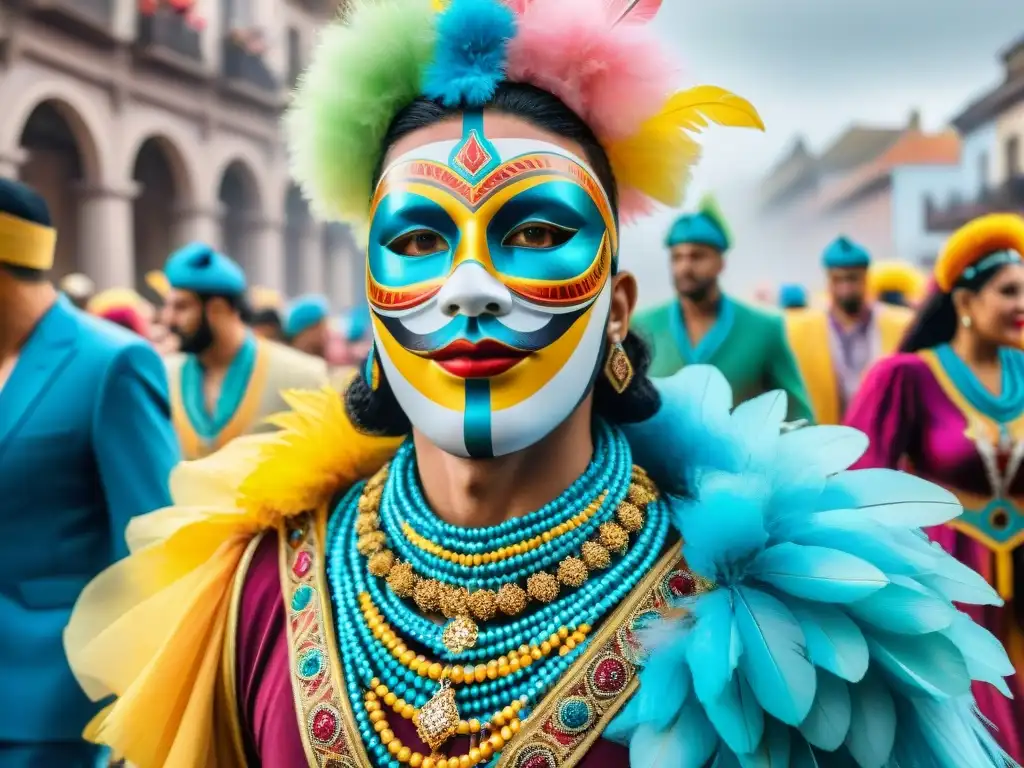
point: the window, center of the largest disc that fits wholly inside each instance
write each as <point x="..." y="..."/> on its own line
<point x="238" y="14"/>
<point x="1013" y="167"/>
<point x="982" y="174"/>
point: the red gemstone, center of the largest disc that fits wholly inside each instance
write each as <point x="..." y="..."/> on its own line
<point x="610" y="676"/>
<point x="325" y="726"/>
<point x="680" y="584"/>
<point x="303" y="563"/>
<point x="536" y="757"/>
<point x="472" y="156"/>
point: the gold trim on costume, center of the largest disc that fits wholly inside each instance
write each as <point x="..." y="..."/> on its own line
<point x="192" y="445"/>
<point x="229" y="666"/>
<point x="25" y="243"/>
<point x="326" y="722"/>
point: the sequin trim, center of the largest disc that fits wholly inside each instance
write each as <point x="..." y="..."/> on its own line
<point x="325" y="718"/>
<point x="574" y="714"/>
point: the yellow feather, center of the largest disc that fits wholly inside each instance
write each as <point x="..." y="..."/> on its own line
<point x="657" y="160"/>
<point x="440" y="5"/>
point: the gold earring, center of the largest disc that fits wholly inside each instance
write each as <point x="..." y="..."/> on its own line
<point x="617" y="368"/>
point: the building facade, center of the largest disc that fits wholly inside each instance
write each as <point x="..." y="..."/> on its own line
<point x="148" y="124"/>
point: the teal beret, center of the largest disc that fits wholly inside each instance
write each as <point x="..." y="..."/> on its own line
<point x="792" y="296"/>
<point x="844" y="253"/>
<point x="700" y="228"/>
<point x="305" y="312"/>
<point x="357" y="323"/>
<point x="199" y="268"/>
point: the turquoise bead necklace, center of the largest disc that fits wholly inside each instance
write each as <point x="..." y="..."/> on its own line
<point x="366" y="658"/>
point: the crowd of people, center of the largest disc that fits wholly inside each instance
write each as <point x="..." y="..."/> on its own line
<point x="495" y="517"/>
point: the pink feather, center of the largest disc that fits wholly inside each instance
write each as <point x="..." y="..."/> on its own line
<point x="613" y="76"/>
<point x="633" y="11"/>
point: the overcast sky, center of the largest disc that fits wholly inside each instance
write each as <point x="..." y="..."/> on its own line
<point x="812" y="67"/>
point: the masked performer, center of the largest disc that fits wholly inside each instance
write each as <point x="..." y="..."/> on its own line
<point x="834" y="348"/>
<point x="226" y="381"/>
<point x="953" y="408"/>
<point x="512" y="576"/>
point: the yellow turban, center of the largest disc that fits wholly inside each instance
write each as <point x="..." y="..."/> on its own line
<point x="975" y="240"/>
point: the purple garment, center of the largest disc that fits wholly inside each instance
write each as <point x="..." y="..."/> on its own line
<point x="269" y="721"/>
<point x="852" y="353"/>
<point x="911" y="420"/>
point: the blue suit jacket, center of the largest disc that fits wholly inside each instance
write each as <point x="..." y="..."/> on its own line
<point x="86" y="443"/>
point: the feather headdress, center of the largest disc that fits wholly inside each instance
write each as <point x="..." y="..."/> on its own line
<point x="600" y="57"/>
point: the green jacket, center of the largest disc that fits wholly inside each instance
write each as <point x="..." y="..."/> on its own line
<point x="747" y="345"/>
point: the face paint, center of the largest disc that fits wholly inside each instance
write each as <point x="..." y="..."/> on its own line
<point x="488" y="277"/>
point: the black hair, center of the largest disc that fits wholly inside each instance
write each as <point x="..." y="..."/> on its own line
<point x="235" y="301"/>
<point x="936" y="320"/>
<point x="267" y="316"/>
<point x="377" y="411"/>
<point x="895" y="298"/>
<point x="23" y="202"/>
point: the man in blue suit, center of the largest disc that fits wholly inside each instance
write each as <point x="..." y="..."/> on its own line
<point x="86" y="443"/>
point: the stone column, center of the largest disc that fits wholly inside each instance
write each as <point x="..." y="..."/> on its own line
<point x="202" y="224"/>
<point x="105" y="235"/>
<point x="346" y="291"/>
<point x="265" y="256"/>
<point x="311" y="259"/>
<point x="11" y="162"/>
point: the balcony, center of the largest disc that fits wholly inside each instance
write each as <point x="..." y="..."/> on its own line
<point x="166" y="38"/>
<point x="1006" y="198"/>
<point x="246" y="73"/>
<point x="93" y="19"/>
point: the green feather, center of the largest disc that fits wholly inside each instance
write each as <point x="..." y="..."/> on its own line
<point x="364" y="70"/>
<point x="710" y="208"/>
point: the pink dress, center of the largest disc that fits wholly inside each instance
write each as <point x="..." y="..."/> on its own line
<point x="266" y="702"/>
<point x="917" y="419"/>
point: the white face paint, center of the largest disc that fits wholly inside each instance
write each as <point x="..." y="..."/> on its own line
<point x="489" y="267"/>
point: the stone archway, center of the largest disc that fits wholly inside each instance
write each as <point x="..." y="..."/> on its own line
<point x="158" y="171"/>
<point x="239" y="197"/>
<point x="61" y="161"/>
<point x="297" y="225"/>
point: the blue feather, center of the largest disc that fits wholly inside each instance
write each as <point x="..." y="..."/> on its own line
<point x="871" y="489"/>
<point x="716" y="551"/>
<point x="714" y="644"/>
<point x="834" y="641"/>
<point x="951" y="731"/>
<point x="737" y="716"/>
<point x="664" y="684"/>
<point x="774" y="750"/>
<point x="827" y="450"/>
<point x="804" y="756"/>
<point x="958" y="582"/>
<point x="983" y="654"/>
<point x="469" y="60"/>
<point x="817" y="573"/>
<point x="689" y="743"/>
<point x="828" y="722"/>
<point x="919" y="664"/>
<point x="866" y="540"/>
<point x="758" y="422"/>
<point x="904" y="606"/>
<point x="774" y="657"/>
<point x="872" y="723"/>
<point x="622" y="727"/>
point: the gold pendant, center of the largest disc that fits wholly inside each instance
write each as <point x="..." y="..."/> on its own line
<point x="438" y="719"/>
<point x="459" y="634"/>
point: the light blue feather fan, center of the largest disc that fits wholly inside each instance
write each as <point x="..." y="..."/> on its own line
<point x="830" y="638"/>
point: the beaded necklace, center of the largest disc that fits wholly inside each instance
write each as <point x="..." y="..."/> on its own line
<point x="512" y="663"/>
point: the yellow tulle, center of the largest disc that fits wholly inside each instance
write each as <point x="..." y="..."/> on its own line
<point x="151" y="628"/>
<point x="656" y="161"/>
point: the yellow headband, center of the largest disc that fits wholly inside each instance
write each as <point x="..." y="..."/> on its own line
<point x="975" y="240"/>
<point x="25" y="244"/>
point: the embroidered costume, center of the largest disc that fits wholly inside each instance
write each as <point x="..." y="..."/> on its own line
<point x="748" y="345"/>
<point x="928" y="409"/>
<point x="832" y="359"/>
<point x="251" y="390"/>
<point x="708" y="587"/>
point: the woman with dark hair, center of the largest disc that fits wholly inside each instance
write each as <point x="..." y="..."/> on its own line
<point x="951" y="407"/>
<point x="555" y="561"/>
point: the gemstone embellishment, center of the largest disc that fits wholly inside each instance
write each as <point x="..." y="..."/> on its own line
<point x="303" y="563"/>
<point x="472" y="156"/>
<point x="311" y="663"/>
<point x="438" y="719"/>
<point x="575" y="715"/>
<point x="459" y="634"/>
<point x="535" y="756"/>
<point x="325" y="725"/>
<point x="302" y="597"/>
<point x="609" y="676"/>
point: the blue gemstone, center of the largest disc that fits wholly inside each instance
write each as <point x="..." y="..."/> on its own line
<point x="575" y="714"/>
<point x="310" y="664"/>
<point x="302" y="597"/>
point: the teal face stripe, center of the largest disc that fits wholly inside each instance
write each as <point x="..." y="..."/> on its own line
<point x="476" y="424"/>
<point x="474" y="141"/>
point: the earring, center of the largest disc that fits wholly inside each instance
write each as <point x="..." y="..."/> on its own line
<point x="965" y="321"/>
<point x="617" y="368"/>
<point x="371" y="369"/>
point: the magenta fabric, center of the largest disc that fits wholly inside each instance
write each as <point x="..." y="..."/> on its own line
<point x="911" y="422"/>
<point x="269" y="721"/>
